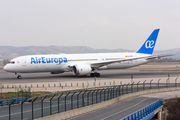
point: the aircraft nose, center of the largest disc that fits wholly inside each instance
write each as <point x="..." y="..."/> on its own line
<point x="5" y="68"/>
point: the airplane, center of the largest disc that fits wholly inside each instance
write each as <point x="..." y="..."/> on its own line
<point x="84" y="64"/>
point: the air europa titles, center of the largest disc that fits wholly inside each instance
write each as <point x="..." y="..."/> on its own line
<point x="45" y="60"/>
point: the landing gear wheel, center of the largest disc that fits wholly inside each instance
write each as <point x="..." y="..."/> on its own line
<point x="19" y="77"/>
<point x="92" y="75"/>
<point x="95" y="74"/>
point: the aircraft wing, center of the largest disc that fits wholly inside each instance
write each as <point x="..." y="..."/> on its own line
<point x="102" y="63"/>
<point x="159" y="56"/>
<point x="97" y="64"/>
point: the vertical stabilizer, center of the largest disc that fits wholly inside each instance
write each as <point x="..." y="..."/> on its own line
<point x="149" y="44"/>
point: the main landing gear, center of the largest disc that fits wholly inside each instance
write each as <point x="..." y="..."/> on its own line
<point x="18" y="75"/>
<point x="95" y="74"/>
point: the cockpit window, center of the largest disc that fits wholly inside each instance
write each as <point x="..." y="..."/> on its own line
<point x="11" y="62"/>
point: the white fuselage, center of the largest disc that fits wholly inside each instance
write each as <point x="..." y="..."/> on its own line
<point x="61" y="62"/>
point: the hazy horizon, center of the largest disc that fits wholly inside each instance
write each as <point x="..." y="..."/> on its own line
<point x="89" y="47"/>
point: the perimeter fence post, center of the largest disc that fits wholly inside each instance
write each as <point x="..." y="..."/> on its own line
<point x="105" y="94"/>
<point x="51" y="104"/>
<point x="92" y="96"/>
<point x="42" y="105"/>
<point x="144" y="84"/>
<point x="33" y="108"/>
<point x="100" y="93"/>
<point x="96" y="95"/>
<point x="150" y="83"/>
<point x="112" y="96"/>
<point x="83" y="98"/>
<point x="122" y="89"/>
<point x="109" y="96"/>
<point x="119" y="90"/>
<point x="65" y="100"/>
<point x="72" y="100"/>
<point x="22" y="108"/>
<point x="58" y="101"/>
<point x="10" y="108"/>
<point x="127" y="88"/>
<point x="132" y="87"/>
<point x="88" y="97"/>
<point x="176" y="82"/>
<point x="78" y="99"/>
<point x="137" y="85"/>
<point x="158" y="83"/>
<point x="113" y="92"/>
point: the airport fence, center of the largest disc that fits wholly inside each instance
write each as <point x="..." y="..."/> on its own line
<point x="18" y="92"/>
<point x="81" y="84"/>
<point x="57" y="102"/>
<point x="58" y="86"/>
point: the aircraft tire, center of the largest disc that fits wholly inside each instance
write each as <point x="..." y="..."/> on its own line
<point x="95" y="74"/>
<point x="19" y="77"/>
<point x="92" y="75"/>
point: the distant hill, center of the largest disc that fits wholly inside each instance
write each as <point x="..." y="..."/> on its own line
<point x="9" y="52"/>
<point x="175" y="52"/>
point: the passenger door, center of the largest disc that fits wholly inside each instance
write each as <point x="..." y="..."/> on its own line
<point x="23" y="61"/>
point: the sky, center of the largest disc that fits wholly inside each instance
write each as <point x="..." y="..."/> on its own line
<point x="99" y="24"/>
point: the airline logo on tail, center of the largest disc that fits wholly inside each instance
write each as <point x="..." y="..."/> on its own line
<point x="149" y="44"/>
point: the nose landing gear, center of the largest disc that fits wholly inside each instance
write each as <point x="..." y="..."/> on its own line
<point x="18" y="75"/>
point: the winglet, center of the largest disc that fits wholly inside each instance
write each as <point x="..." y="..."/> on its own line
<point x="149" y="44"/>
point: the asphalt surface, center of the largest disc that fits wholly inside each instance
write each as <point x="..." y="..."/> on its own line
<point x="126" y="107"/>
<point x="6" y="77"/>
<point x="113" y="112"/>
<point x="89" y="99"/>
<point x="118" y="110"/>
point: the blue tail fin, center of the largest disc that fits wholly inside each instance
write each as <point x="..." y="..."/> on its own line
<point x="149" y="44"/>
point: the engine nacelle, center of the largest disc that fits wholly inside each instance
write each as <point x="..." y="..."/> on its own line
<point x="81" y="70"/>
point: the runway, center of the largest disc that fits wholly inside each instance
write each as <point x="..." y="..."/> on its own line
<point x="6" y="77"/>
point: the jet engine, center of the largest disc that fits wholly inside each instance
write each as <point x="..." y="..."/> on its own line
<point x="80" y="70"/>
